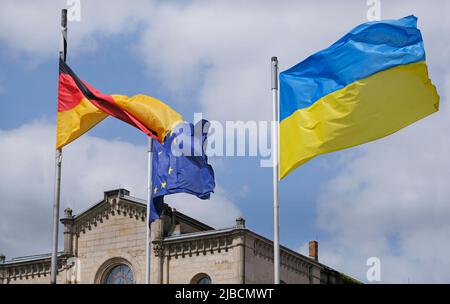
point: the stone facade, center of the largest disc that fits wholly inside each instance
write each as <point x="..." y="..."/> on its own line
<point x="184" y="250"/>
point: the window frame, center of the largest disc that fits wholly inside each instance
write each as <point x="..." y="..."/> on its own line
<point x="200" y="276"/>
<point x="107" y="266"/>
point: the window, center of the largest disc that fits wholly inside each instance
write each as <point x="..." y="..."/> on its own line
<point x="201" y="278"/>
<point x="120" y="274"/>
<point x="116" y="270"/>
<point x="204" y="280"/>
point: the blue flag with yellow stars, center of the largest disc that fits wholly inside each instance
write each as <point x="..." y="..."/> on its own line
<point x="180" y="165"/>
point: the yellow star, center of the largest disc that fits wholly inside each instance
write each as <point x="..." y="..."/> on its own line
<point x="163" y="185"/>
<point x="170" y="170"/>
<point x="155" y="190"/>
<point x="171" y="133"/>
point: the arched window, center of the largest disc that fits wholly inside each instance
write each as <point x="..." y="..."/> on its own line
<point x="120" y="274"/>
<point x="115" y="271"/>
<point x="201" y="278"/>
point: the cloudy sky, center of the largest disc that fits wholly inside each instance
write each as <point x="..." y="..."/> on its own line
<point x="388" y="199"/>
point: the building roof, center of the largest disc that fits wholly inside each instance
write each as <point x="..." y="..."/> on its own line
<point x="31" y="258"/>
<point x="124" y="195"/>
<point x="120" y="200"/>
<point x="217" y="232"/>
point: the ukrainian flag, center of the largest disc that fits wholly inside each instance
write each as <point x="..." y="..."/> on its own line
<point x="369" y="84"/>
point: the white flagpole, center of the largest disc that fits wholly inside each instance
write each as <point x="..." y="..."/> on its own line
<point x="149" y="197"/>
<point x="276" y="174"/>
<point x="58" y="160"/>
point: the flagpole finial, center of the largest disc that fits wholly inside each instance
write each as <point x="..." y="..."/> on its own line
<point x="64" y="17"/>
<point x="274" y="73"/>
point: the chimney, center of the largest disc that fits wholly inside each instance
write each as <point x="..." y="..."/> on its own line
<point x="123" y="192"/>
<point x="68" y="221"/>
<point x="314" y="250"/>
<point x="240" y="223"/>
<point x="2" y="258"/>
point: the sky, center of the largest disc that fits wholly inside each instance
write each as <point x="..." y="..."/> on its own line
<point x="387" y="199"/>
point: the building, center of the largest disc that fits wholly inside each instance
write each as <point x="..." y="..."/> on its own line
<point x="106" y="244"/>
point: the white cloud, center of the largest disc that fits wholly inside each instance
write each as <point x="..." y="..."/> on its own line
<point x="32" y="28"/>
<point x="393" y="202"/>
<point x="90" y="166"/>
<point x="218" y="212"/>
<point x="222" y="50"/>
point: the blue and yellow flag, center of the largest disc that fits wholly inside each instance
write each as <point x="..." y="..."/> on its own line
<point x="180" y="165"/>
<point x="369" y="84"/>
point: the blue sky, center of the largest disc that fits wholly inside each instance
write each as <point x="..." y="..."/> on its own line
<point x="215" y="58"/>
<point x="117" y="70"/>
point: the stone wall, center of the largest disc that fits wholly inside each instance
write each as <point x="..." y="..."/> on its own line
<point x="33" y="272"/>
<point x="119" y="236"/>
<point x="295" y="269"/>
<point x="220" y="267"/>
<point x="41" y="279"/>
<point x="183" y="250"/>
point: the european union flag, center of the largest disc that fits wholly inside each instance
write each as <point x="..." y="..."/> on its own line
<point x="181" y="165"/>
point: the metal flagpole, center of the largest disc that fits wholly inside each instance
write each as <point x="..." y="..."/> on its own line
<point x="149" y="197"/>
<point x="276" y="174"/>
<point x="58" y="160"/>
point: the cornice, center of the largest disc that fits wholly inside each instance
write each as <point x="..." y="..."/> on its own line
<point x="203" y="243"/>
<point x="288" y="260"/>
<point x="31" y="269"/>
<point x="200" y="245"/>
<point x="111" y="206"/>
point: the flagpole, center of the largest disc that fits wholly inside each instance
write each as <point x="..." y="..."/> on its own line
<point x="149" y="197"/>
<point x="58" y="160"/>
<point x="276" y="174"/>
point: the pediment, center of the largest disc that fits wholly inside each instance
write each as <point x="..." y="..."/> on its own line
<point x="115" y="202"/>
<point x="119" y="202"/>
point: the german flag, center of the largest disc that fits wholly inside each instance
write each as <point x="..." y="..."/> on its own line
<point x="81" y="107"/>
